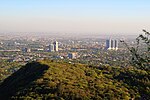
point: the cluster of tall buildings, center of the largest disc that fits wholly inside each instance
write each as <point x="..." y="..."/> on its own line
<point x="53" y="47"/>
<point x="111" y="44"/>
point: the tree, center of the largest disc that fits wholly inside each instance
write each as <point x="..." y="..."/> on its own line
<point x="140" y="57"/>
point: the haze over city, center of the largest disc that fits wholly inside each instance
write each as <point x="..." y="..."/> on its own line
<point x="123" y="17"/>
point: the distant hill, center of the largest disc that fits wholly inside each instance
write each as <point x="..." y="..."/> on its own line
<point x="59" y="80"/>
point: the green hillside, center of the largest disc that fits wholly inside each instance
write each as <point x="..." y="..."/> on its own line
<point x="59" y="80"/>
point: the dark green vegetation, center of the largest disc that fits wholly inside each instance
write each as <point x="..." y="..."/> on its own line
<point x="7" y="68"/>
<point x="58" y="80"/>
<point x="140" y="57"/>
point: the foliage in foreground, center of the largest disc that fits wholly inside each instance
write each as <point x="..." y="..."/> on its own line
<point x="58" y="80"/>
<point x="141" y="52"/>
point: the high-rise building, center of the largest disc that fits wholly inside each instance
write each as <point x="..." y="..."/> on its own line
<point x="108" y="44"/>
<point x="51" y="47"/>
<point x="116" y="44"/>
<point x="111" y="44"/>
<point x="55" y="46"/>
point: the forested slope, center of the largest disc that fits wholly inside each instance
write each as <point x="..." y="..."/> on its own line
<point x="59" y="80"/>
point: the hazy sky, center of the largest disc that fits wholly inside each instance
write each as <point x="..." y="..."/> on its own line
<point x="71" y="16"/>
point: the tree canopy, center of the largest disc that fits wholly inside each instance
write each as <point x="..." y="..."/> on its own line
<point x="59" y="80"/>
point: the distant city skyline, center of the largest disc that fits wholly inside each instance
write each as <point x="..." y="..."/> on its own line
<point x="75" y="16"/>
